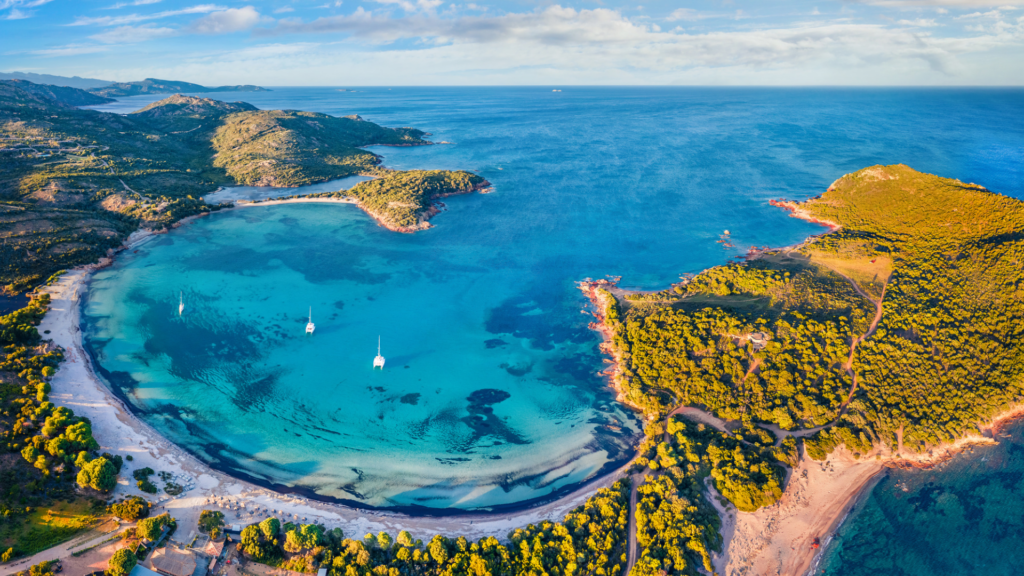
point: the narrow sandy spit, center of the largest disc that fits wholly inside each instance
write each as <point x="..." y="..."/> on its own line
<point x="77" y="386"/>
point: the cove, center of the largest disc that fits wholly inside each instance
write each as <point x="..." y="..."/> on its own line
<point x="481" y="403"/>
<point x="501" y="404"/>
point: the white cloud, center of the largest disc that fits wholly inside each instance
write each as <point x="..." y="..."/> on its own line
<point x="226" y="21"/>
<point x="5" y="4"/>
<point x="133" y="18"/>
<point x="941" y="3"/>
<point x="689" y="14"/>
<point x="284" y="9"/>
<point x="413" y="6"/>
<point x="16" y="7"/>
<point x="135" y="3"/>
<point x="990" y="14"/>
<point x="918" y="23"/>
<point x="133" y="34"/>
<point x="71" y="50"/>
<point x="605" y="39"/>
<point x="683" y="14"/>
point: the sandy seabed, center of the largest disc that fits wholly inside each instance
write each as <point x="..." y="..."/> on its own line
<point x="77" y="386"/>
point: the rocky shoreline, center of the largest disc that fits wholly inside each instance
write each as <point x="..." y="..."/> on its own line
<point x="777" y="539"/>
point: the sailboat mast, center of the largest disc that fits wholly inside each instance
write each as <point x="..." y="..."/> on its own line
<point x="378" y="345"/>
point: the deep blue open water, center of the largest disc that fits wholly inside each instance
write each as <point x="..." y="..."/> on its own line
<point x="491" y="395"/>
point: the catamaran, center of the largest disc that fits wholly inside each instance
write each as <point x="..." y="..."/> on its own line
<point x="310" y="327"/>
<point x="378" y="362"/>
<point x="181" y="303"/>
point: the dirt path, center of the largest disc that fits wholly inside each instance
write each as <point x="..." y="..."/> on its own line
<point x="755" y="366"/>
<point x="848" y="366"/>
<point x="114" y="174"/>
<point x="698" y="415"/>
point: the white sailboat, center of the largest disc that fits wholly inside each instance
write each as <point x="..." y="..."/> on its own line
<point x="378" y="362"/>
<point x="310" y="327"/>
<point x="181" y="303"/>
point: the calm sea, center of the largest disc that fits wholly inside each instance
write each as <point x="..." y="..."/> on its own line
<point x="963" y="518"/>
<point x="491" y="395"/>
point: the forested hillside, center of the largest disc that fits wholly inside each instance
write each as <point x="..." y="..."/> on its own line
<point x="63" y="94"/>
<point x="901" y="329"/>
<point x="290" y="148"/>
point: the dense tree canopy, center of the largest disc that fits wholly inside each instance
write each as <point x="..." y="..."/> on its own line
<point x="122" y="562"/>
<point x="590" y="540"/>
<point x="131" y="509"/>
<point x="782" y="338"/>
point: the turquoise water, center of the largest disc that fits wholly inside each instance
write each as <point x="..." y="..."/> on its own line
<point x="501" y="403"/>
<point x="465" y="413"/>
<point x="965" y="518"/>
<point x="232" y="193"/>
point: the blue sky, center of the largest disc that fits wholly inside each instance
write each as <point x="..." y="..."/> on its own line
<point x="437" y="42"/>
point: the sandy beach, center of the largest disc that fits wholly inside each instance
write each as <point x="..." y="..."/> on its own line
<point x="119" y="431"/>
<point x="778" y="539"/>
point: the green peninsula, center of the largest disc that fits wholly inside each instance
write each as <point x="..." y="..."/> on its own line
<point x="404" y="201"/>
<point x="74" y="183"/>
<point x="900" y="329"/>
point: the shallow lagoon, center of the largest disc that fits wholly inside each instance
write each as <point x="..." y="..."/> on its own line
<point x="632" y="182"/>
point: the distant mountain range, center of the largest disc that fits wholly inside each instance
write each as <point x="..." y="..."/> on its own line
<point x="72" y="82"/>
<point x="109" y="89"/>
<point x="154" y="86"/>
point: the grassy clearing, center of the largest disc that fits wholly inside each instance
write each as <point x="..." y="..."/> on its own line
<point x="48" y="526"/>
<point x="869" y="270"/>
